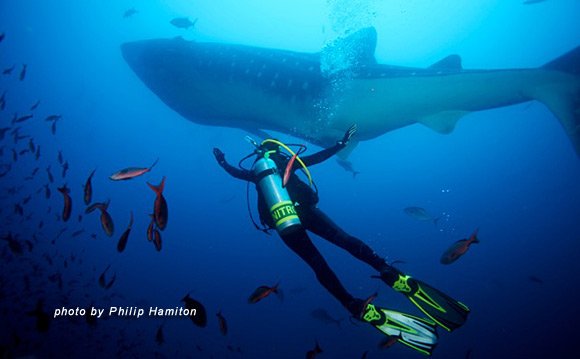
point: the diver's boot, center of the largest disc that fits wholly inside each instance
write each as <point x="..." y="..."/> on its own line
<point x="417" y="333"/>
<point x="447" y="312"/>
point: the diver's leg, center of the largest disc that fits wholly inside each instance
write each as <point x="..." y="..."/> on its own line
<point x="320" y="224"/>
<point x="301" y="244"/>
<point x="444" y="310"/>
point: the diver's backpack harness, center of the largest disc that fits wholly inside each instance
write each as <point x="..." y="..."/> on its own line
<point x="273" y="186"/>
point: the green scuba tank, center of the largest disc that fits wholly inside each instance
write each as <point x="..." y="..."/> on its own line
<point x="277" y="198"/>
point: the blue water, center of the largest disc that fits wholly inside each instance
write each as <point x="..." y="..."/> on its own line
<point x="511" y="172"/>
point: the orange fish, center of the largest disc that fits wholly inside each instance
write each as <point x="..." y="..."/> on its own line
<point x="125" y="236"/>
<point x="160" y="212"/>
<point x="150" y="228"/>
<point x="66" y="210"/>
<point x="458" y="249"/>
<point x="106" y="220"/>
<point x="131" y="172"/>
<point x="200" y="316"/>
<point x="157" y="240"/>
<point x="388" y="342"/>
<point x="89" y="189"/>
<point x="222" y="323"/>
<point x="262" y="292"/>
<point x="288" y="170"/>
<point x="314" y="352"/>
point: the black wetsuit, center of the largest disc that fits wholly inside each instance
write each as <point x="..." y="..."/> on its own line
<point x="314" y="220"/>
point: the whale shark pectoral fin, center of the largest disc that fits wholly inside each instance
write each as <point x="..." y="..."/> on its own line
<point x="443" y="122"/>
<point x="261" y="134"/>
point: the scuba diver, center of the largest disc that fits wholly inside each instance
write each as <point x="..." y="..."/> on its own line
<point x="289" y="205"/>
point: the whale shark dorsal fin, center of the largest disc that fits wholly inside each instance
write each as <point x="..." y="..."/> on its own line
<point x="443" y="122"/>
<point x="451" y="62"/>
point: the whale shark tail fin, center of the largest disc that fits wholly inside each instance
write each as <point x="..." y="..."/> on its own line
<point x="564" y="99"/>
<point x="569" y="62"/>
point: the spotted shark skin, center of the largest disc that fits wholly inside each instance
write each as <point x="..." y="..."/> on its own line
<point x="262" y="89"/>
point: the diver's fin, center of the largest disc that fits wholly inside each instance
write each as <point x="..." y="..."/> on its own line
<point x="417" y="333"/>
<point x="447" y="312"/>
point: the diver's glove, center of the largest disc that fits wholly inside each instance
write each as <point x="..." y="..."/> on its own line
<point x="347" y="136"/>
<point x="219" y="156"/>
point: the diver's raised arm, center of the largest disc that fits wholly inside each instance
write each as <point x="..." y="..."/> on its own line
<point x="233" y="171"/>
<point x="331" y="151"/>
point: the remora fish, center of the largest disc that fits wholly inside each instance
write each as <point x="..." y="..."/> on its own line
<point x="131" y="172"/>
<point x="257" y="89"/>
<point x="421" y="214"/>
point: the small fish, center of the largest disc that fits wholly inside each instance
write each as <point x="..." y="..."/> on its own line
<point x="66" y="210"/>
<point x="160" y="211"/>
<point x="102" y="279"/>
<point x="64" y="169"/>
<point x="150" y="228"/>
<point x="42" y="318"/>
<point x="26" y="199"/>
<point x="3" y="132"/>
<point x="365" y="354"/>
<point x="262" y="292"/>
<point x="323" y="316"/>
<point x="35" y="105"/>
<point x="8" y="70"/>
<point x="131" y="172"/>
<point x="23" y="152"/>
<point x="125" y="236"/>
<point x="535" y="279"/>
<point x="129" y="12"/>
<point x="5" y="169"/>
<point x="157" y="240"/>
<point x="60" y="159"/>
<point x="88" y="189"/>
<point x="14" y="155"/>
<point x="106" y="220"/>
<point x="37" y="154"/>
<point x="3" y="101"/>
<point x="31" y="145"/>
<point x="53" y="128"/>
<point x="222" y="323"/>
<point x="53" y="118"/>
<point x="458" y="249"/>
<point x="2" y="36"/>
<point x="183" y="22"/>
<point x="347" y="165"/>
<point x="13" y="244"/>
<point x="23" y="72"/>
<point x="159" y="338"/>
<point x="77" y="233"/>
<point x="314" y="352"/>
<point x="388" y="342"/>
<point x="50" y="177"/>
<point x="22" y="118"/>
<point x="421" y="214"/>
<point x="200" y="316"/>
<point x="46" y="191"/>
<point x="288" y="170"/>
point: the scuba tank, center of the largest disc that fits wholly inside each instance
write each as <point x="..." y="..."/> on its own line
<point x="276" y="196"/>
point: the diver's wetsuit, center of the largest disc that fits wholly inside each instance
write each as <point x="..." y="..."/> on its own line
<point x="314" y="220"/>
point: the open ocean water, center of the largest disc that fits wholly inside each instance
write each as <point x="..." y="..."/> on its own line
<point x="510" y="171"/>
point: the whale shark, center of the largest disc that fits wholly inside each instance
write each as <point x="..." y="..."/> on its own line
<point x="307" y="95"/>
